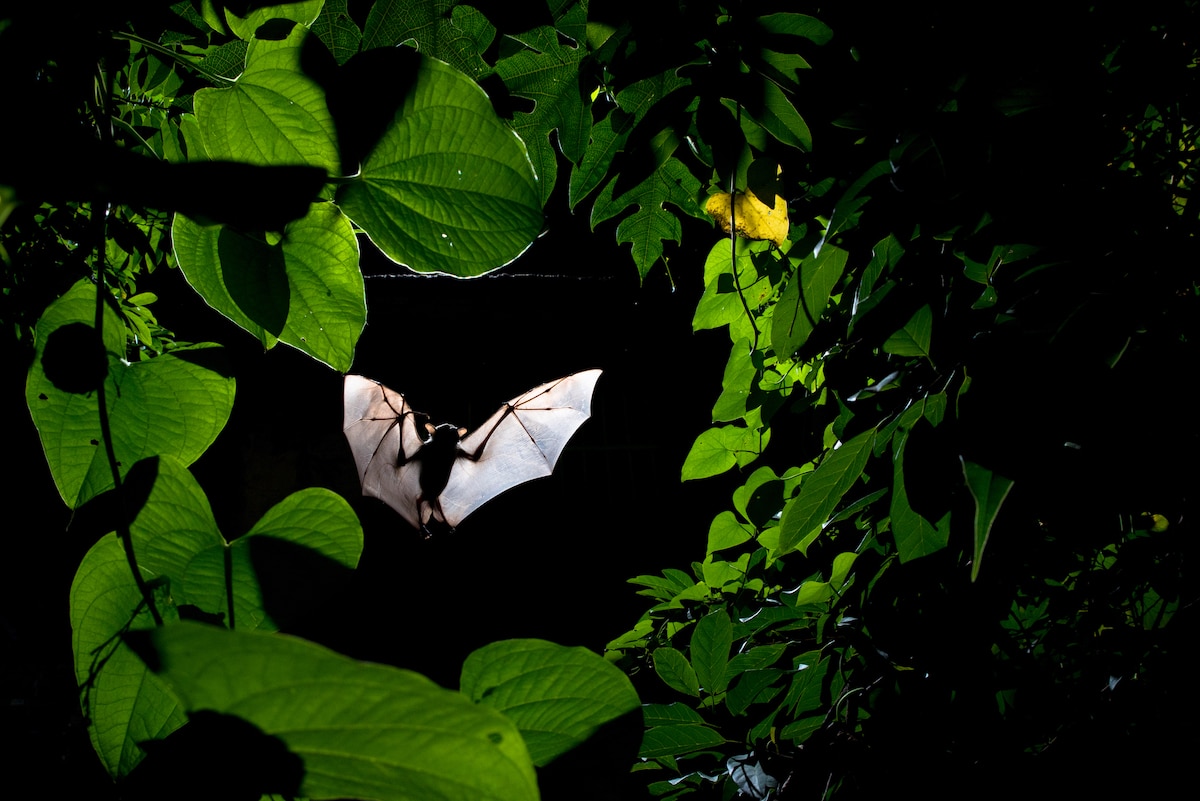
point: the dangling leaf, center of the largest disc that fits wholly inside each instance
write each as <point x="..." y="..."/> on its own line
<point x="752" y="218"/>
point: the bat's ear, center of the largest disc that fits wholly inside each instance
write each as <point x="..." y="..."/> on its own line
<point x="430" y="427"/>
<point x="462" y="432"/>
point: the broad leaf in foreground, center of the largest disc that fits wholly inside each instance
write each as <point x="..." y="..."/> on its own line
<point x="362" y="730"/>
<point x="182" y="556"/>
<point x="171" y="405"/>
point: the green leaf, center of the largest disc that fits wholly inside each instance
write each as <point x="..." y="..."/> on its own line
<point x="989" y="491"/>
<point x="171" y="405"/>
<point x="915" y="536"/>
<point x="608" y="136"/>
<point x="362" y="730"/>
<point x="178" y="548"/>
<point x="123" y="705"/>
<point x="662" y="741"/>
<point x="304" y="290"/>
<point x="711" y="641"/>
<point x="726" y="532"/>
<point x="736" y="385"/>
<point x="557" y="696"/>
<point x="652" y="224"/>
<point x="274" y="114"/>
<point x="337" y="30"/>
<point x="444" y="29"/>
<point x="720" y="305"/>
<point x="718" y="449"/>
<point x="804" y="299"/>
<point x="821" y="492"/>
<point x="448" y="188"/>
<point x="669" y="714"/>
<point x="915" y="337"/>
<point x="547" y="72"/>
<point x="771" y="109"/>
<point x="673" y="668"/>
<point x="799" y="25"/>
<point x="244" y="27"/>
<point x="753" y="686"/>
<point x="315" y="519"/>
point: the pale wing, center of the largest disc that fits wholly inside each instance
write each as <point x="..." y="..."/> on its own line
<point x="382" y="431"/>
<point x="520" y="442"/>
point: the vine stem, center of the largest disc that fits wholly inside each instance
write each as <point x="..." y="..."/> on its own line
<point x="99" y="218"/>
<point x="737" y="284"/>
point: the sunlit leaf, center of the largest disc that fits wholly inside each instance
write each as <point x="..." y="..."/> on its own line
<point x="674" y="669"/>
<point x="557" y="696"/>
<point x="449" y="187"/>
<point x="363" y="731"/>
<point x="915" y="337"/>
<point x="752" y="218"/>
<point x="304" y="290"/>
<point x="805" y="297"/>
<point x="172" y="405"/>
<point x="821" y="492"/>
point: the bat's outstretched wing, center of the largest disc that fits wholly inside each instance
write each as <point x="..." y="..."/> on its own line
<point x="385" y="439"/>
<point x="520" y="442"/>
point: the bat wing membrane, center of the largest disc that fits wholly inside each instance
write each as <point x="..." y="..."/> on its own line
<point x="520" y="442"/>
<point x="382" y="430"/>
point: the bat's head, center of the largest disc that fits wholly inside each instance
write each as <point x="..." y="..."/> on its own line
<point x="445" y="432"/>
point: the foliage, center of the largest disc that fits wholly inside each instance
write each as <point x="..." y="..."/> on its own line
<point x="947" y="350"/>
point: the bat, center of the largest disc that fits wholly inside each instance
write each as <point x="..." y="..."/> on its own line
<point x="435" y="476"/>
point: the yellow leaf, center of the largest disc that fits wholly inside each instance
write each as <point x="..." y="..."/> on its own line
<point x="752" y="218"/>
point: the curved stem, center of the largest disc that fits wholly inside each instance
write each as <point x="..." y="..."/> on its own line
<point x="99" y="221"/>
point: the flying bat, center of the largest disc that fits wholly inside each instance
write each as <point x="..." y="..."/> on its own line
<point x="435" y="476"/>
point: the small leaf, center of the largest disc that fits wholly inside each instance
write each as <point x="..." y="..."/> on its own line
<point x="673" y="668"/>
<point x="821" y="492"/>
<point x="711" y="641"/>
<point x="665" y="741"/>
<point x="989" y="491"/>
<point x="914" y="339"/>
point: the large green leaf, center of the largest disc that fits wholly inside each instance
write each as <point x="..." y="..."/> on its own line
<point x="303" y="289"/>
<point x="362" y="730"/>
<point x="315" y="519"/>
<point x="557" y="696"/>
<point x="181" y="552"/>
<point x="274" y="114"/>
<point x="547" y="72"/>
<point x="448" y="188"/>
<point x="123" y="705"/>
<point x="171" y="405"/>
